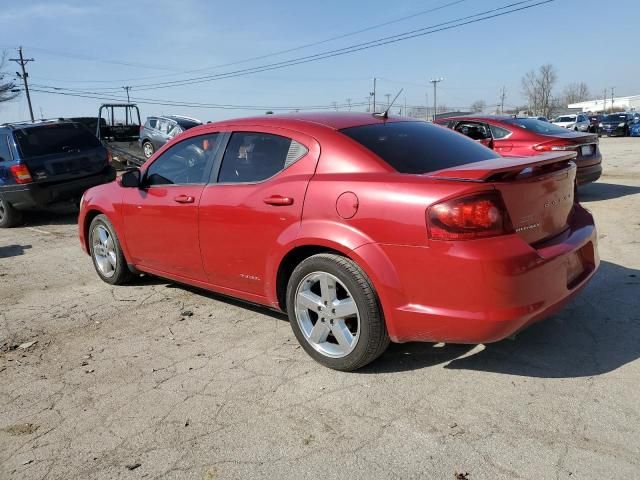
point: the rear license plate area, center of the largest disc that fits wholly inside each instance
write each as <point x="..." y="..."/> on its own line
<point x="579" y="264"/>
<point x="586" y="150"/>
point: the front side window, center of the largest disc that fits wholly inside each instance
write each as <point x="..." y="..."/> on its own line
<point x="185" y="163"/>
<point x="253" y="157"/>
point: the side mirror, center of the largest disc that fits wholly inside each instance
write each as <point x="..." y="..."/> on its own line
<point x="130" y="179"/>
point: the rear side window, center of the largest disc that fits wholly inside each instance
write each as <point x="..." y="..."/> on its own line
<point x="55" y="138"/>
<point x="499" y="132"/>
<point x="418" y="147"/>
<point x="5" y="151"/>
<point x="253" y="157"/>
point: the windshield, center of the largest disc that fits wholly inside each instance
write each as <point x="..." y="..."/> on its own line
<point x="187" y="124"/>
<point x="615" y="118"/>
<point x="55" y="138"/>
<point x="537" y="126"/>
<point x="418" y="147"/>
<point x="566" y="119"/>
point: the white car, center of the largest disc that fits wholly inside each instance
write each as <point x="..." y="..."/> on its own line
<point x="578" y="122"/>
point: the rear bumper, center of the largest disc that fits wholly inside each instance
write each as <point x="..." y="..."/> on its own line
<point x="588" y="174"/>
<point x="34" y="195"/>
<point x="613" y="132"/>
<point x="485" y="290"/>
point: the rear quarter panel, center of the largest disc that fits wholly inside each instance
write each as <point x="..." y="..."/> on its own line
<point x="104" y="199"/>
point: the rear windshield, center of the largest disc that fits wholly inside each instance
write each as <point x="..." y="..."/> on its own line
<point x="418" y="147"/>
<point x="187" y="124"/>
<point x="537" y="126"/>
<point x="50" y="139"/>
<point x="566" y="119"/>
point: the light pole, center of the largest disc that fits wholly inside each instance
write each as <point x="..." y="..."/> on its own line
<point x="435" y="82"/>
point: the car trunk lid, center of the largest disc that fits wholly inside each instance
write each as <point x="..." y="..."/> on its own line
<point x="538" y="192"/>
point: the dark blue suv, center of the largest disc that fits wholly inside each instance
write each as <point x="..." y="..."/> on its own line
<point x="47" y="162"/>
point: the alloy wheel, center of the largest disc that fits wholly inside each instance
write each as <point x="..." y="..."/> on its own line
<point x="148" y="149"/>
<point x="3" y="210"/>
<point x="327" y="314"/>
<point x="104" y="251"/>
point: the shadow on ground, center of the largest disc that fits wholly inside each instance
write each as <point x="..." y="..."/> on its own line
<point x="605" y="191"/>
<point x="62" y="214"/>
<point x="13" y="250"/>
<point x="597" y="333"/>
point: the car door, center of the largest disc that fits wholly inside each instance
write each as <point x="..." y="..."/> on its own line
<point x="502" y="141"/>
<point x="161" y="217"/>
<point x="255" y="205"/>
<point x="160" y="133"/>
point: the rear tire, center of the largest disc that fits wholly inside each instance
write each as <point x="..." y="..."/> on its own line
<point x="147" y="149"/>
<point x="106" y="252"/>
<point x="9" y="216"/>
<point x="335" y="313"/>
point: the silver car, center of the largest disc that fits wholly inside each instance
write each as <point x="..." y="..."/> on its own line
<point x="578" y="122"/>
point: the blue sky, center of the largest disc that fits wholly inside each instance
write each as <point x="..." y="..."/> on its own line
<point x="97" y="45"/>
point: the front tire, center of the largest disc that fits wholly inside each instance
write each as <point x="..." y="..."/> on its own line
<point x="334" y="312"/>
<point x="147" y="149"/>
<point x="106" y="252"/>
<point x="9" y="216"/>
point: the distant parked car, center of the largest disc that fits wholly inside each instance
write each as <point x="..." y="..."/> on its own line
<point x="617" y="124"/>
<point x="594" y="120"/>
<point x="542" y="119"/>
<point x="634" y="130"/>
<point x="159" y="130"/>
<point x="514" y="137"/>
<point x="579" y="122"/>
<point x="46" y="162"/>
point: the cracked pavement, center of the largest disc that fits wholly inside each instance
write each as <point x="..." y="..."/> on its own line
<point x="120" y="384"/>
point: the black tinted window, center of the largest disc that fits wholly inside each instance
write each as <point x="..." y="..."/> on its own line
<point x="418" y="147"/>
<point x="185" y="163"/>
<point x="253" y="157"/>
<point x="55" y="138"/>
<point x="5" y="152"/>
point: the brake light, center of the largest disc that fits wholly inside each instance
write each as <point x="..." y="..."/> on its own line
<point x="21" y="173"/>
<point x="471" y="217"/>
<point x="554" y="146"/>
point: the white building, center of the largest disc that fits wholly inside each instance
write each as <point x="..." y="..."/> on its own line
<point x="631" y="103"/>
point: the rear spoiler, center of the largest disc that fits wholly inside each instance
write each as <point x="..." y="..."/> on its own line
<point x="501" y="166"/>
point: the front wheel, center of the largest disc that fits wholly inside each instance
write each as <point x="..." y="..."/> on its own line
<point x="147" y="149"/>
<point x="334" y="312"/>
<point x="106" y="252"/>
<point x="9" y="216"/>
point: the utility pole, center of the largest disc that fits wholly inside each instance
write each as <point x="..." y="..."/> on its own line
<point x="126" y="110"/>
<point x="388" y="95"/>
<point x="127" y="88"/>
<point x="435" y="82"/>
<point x="373" y="94"/>
<point x="349" y="104"/>
<point x="604" y="102"/>
<point x="503" y="95"/>
<point x="612" y="98"/>
<point x="22" y="62"/>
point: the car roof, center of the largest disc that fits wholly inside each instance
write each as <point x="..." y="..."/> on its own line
<point x="37" y="123"/>
<point x="330" y="120"/>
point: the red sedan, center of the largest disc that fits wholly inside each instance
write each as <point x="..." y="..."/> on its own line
<point x="512" y="136"/>
<point x="364" y="229"/>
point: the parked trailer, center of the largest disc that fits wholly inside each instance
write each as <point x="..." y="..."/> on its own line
<point x="119" y="130"/>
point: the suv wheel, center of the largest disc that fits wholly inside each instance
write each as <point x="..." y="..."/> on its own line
<point x="147" y="149"/>
<point x="9" y="216"/>
<point x="334" y="312"/>
<point x="106" y="252"/>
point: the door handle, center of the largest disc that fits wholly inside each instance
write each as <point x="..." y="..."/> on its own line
<point x="184" y="199"/>
<point x="278" y="200"/>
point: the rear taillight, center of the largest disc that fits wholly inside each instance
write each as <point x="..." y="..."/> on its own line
<point x="475" y="216"/>
<point x="554" y="146"/>
<point x="109" y="157"/>
<point x="21" y="173"/>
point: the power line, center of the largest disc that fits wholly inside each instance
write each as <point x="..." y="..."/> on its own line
<point x="246" y="60"/>
<point x="470" y="19"/>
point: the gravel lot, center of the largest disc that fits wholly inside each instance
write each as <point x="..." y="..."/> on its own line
<point x="123" y="383"/>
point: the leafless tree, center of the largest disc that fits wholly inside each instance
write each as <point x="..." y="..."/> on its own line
<point x="478" y="106"/>
<point x="576" y="92"/>
<point x="7" y="87"/>
<point x="538" y="88"/>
